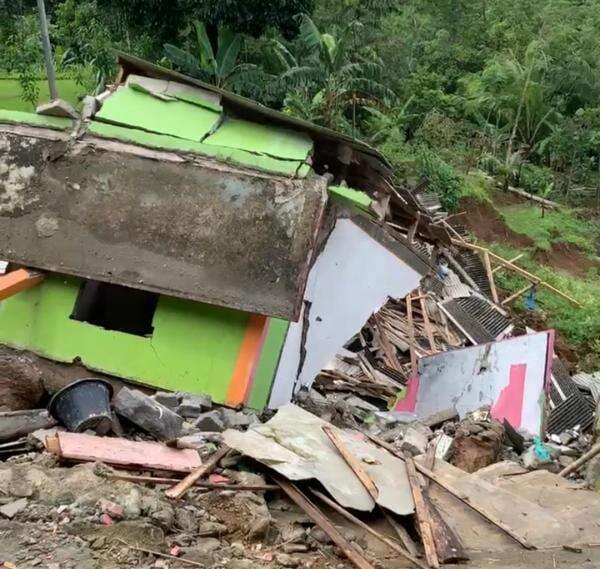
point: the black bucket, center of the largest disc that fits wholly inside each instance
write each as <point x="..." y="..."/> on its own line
<point x="82" y="405"/>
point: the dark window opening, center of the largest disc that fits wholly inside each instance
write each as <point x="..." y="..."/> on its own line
<point x="116" y="307"/>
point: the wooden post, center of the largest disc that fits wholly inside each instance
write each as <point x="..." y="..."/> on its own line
<point x="490" y="276"/>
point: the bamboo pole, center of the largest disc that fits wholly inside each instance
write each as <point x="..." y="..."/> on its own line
<point x="516" y="269"/>
<point x="517" y="294"/>
<point x="490" y="276"/>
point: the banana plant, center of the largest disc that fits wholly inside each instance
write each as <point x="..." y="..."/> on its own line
<point x="221" y="68"/>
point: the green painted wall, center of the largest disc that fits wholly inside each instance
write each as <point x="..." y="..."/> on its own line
<point x="193" y="348"/>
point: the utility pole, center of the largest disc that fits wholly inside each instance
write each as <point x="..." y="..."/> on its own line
<point x="47" y="50"/>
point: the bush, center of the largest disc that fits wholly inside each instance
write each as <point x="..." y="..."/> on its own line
<point x="443" y="179"/>
<point x="535" y="179"/>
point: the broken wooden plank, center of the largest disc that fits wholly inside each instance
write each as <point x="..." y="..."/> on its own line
<point x="121" y="452"/>
<point x="184" y="485"/>
<point x="423" y="514"/>
<point x="19" y="280"/>
<point x="352" y="462"/>
<point x="480" y="508"/>
<point x="384" y="539"/>
<point x="323" y="522"/>
<point x="15" y="424"/>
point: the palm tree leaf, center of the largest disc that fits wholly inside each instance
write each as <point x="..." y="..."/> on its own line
<point x="207" y="55"/>
<point x="182" y="59"/>
<point x="229" y="49"/>
<point x="309" y="36"/>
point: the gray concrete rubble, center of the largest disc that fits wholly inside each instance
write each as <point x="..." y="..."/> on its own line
<point x="148" y="414"/>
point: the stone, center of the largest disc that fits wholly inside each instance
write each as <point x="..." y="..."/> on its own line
<point x="11" y="509"/>
<point x="565" y="460"/>
<point x="202" y="551"/>
<point x="57" y="108"/>
<point x="148" y="414"/>
<point x="319" y="535"/>
<point x="394" y="434"/>
<point x="472" y="451"/>
<point x="197" y="441"/>
<point x="233" y="419"/>
<point x="185" y="520"/>
<point x="210" y="421"/>
<point x="287" y="560"/>
<point x="192" y="406"/>
<point x="168" y="399"/>
<point x="435" y="419"/>
<point x="415" y="439"/>
<point x="115" y="511"/>
<point x="212" y="529"/>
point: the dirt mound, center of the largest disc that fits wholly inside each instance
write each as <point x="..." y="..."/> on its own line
<point x="566" y="257"/>
<point x="487" y="224"/>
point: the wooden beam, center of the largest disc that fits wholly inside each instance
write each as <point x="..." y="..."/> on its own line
<point x="19" y="280"/>
<point x="323" y="522"/>
<point x="352" y="462"/>
<point x="517" y="294"/>
<point x="481" y="510"/>
<point x="411" y="333"/>
<point x="516" y="269"/>
<point x="184" y="485"/>
<point x="422" y="511"/>
<point x="490" y="276"/>
<point x="382" y="538"/>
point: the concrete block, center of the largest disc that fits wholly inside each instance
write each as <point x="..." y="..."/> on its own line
<point x="148" y="414"/>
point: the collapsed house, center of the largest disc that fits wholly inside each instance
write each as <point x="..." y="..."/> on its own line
<point x="193" y="240"/>
<point x="188" y="240"/>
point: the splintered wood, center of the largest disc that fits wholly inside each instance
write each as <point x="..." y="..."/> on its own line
<point x="391" y="342"/>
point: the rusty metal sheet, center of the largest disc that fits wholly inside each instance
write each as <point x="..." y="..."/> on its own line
<point x="202" y="231"/>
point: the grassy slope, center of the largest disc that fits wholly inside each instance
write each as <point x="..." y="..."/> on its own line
<point x="580" y="327"/>
<point x="10" y="93"/>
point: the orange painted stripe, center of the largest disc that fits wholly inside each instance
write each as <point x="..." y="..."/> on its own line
<point x="18" y="281"/>
<point x="248" y="356"/>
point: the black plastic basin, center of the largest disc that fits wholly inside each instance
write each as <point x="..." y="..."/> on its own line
<point x="82" y="405"/>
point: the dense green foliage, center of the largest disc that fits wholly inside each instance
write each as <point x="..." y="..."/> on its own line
<point x="450" y="90"/>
